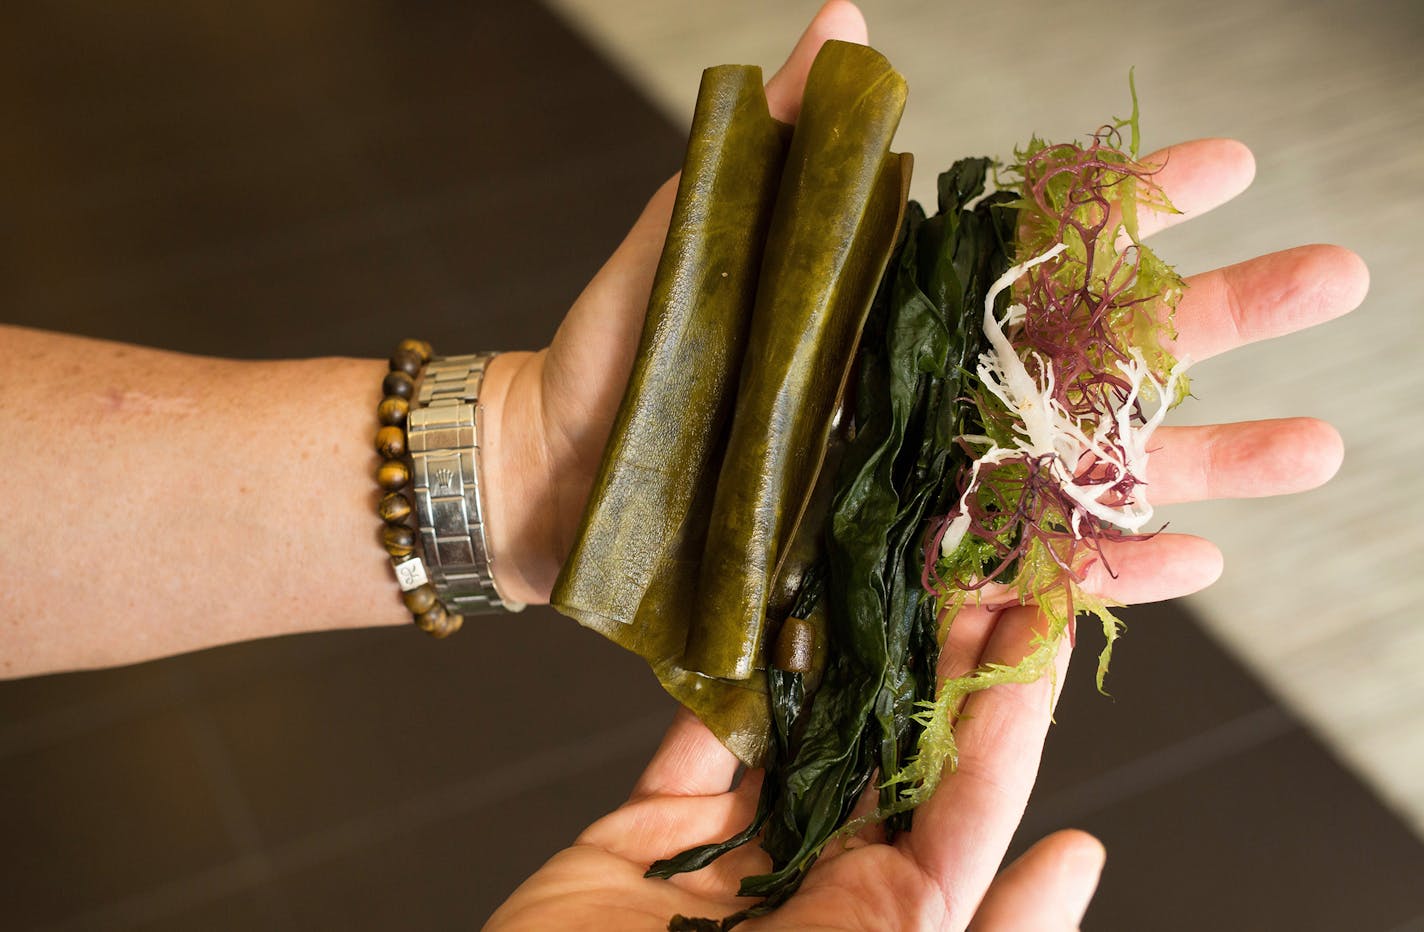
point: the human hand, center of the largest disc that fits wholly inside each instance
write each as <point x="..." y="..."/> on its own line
<point x="937" y="875"/>
<point x="933" y="878"/>
<point x="548" y="414"/>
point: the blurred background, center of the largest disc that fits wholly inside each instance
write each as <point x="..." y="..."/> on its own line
<point x="285" y="179"/>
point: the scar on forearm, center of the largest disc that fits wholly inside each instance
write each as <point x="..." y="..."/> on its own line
<point x="116" y="400"/>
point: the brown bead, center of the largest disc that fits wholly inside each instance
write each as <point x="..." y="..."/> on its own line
<point x="419" y="600"/>
<point x="794" y="646"/>
<point x="451" y="625"/>
<point x="392" y="475"/>
<point x="420" y="347"/>
<point x="390" y="442"/>
<point x="398" y="384"/>
<point x="398" y="539"/>
<point x="407" y="361"/>
<point x="392" y="410"/>
<point x="432" y="618"/>
<point x="394" y="508"/>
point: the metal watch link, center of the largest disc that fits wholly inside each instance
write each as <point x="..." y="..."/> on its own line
<point x="443" y="437"/>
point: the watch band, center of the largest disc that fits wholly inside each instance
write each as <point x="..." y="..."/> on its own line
<point x="443" y="436"/>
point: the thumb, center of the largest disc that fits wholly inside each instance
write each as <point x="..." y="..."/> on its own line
<point x="561" y="404"/>
<point x="838" y="19"/>
<point x="1047" y="889"/>
<point x="600" y="334"/>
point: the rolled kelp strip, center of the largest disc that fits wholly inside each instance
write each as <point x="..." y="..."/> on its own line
<point x="665" y="442"/>
<point x="632" y="574"/>
<point x="838" y="211"/>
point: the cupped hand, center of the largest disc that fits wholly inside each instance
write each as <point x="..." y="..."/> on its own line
<point x="934" y="878"/>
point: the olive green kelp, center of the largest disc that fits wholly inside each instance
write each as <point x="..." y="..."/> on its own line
<point x="837" y="215"/>
<point x="641" y="552"/>
<point x="633" y="567"/>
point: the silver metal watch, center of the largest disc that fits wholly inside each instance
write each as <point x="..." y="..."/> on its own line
<point x="443" y="436"/>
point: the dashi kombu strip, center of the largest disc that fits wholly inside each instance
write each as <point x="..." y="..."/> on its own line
<point x="633" y="569"/>
<point x="837" y="214"/>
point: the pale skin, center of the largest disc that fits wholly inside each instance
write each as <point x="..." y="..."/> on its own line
<point x="205" y="501"/>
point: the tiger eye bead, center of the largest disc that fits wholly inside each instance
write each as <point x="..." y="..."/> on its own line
<point x="398" y="539"/>
<point x="398" y="384"/>
<point x="392" y="475"/>
<point x="419" y="601"/>
<point x="420" y="348"/>
<point x="451" y="625"/>
<point x="392" y="411"/>
<point x="407" y="361"/>
<point x="394" y="508"/>
<point x="433" y="618"/>
<point x="390" y="442"/>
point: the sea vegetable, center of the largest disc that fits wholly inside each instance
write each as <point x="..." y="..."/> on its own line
<point x="1074" y="381"/>
<point x="632" y="572"/>
<point x="837" y="214"/>
<point x="1011" y="376"/>
<point x="638" y="571"/>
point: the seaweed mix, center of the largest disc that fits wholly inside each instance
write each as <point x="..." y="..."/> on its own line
<point x="1013" y="367"/>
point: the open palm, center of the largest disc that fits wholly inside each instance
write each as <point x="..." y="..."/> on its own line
<point x="558" y="407"/>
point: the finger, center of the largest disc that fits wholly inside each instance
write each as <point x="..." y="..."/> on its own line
<point x="1133" y="572"/>
<point x="689" y="762"/>
<point x="639" y="252"/>
<point x="1047" y="889"/>
<point x="646" y="830"/>
<point x="838" y="19"/>
<point x="1246" y="460"/>
<point x="592" y="340"/>
<point x="1164" y="566"/>
<point x="1196" y="177"/>
<point x="1267" y="297"/>
<point x="966" y="639"/>
<point x="962" y="831"/>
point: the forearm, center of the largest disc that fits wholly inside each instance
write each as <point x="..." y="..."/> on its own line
<point x="160" y="502"/>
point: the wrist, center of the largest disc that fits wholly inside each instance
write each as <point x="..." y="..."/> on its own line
<point x="517" y="479"/>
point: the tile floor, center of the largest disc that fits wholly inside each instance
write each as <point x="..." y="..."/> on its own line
<point x="272" y="183"/>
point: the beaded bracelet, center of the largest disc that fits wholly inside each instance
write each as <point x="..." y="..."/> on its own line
<point x="393" y="475"/>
